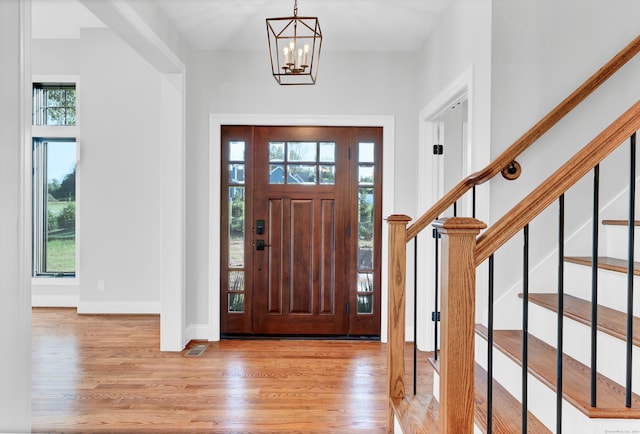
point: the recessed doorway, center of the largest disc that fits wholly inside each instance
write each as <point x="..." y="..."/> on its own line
<point x="301" y="229"/>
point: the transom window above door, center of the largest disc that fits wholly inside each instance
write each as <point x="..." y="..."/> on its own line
<point x="310" y="163"/>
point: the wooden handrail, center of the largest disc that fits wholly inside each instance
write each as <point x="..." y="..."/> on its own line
<point x="558" y="183"/>
<point x="520" y="145"/>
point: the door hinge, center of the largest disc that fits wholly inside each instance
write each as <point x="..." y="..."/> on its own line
<point x="349" y="152"/>
<point x="433" y="316"/>
<point x="349" y="231"/>
<point x="348" y="308"/>
<point x="438" y="149"/>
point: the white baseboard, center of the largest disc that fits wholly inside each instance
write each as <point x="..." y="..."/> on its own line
<point x="198" y="332"/>
<point x="43" y="300"/>
<point x="119" y="307"/>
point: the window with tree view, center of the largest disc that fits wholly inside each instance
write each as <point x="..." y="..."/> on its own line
<point x="54" y="104"/>
<point x="236" y="190"/>
<point x="54" y="207"/>
<point x="366" y="168"/>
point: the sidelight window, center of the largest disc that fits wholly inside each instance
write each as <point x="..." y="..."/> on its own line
<point x="366" y="206"/>
<point x="237" y="202"/>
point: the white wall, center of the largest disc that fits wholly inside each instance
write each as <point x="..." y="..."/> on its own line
<point x="462" y="40"/>
<point x="55" y="56"/>
<point x="541" y="51"/>
<point x="241" y="83"/>
<point x="119" y="171"/>
<point x="15" y="246"/>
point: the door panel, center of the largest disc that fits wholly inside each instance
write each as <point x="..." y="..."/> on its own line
<point x="301" y="266"/>
<point x="301" y="189"/>
<point x="327" y="257"/>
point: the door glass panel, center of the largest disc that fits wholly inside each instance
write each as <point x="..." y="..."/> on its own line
<point x="302" y="163"/>
<point x="366" y="152"/>
<point x="236" y="227"/>
<point x="365" y="175"/>
<point x="327" y="174"/>
<point x="276" y="174"/>
<point x="236" y="151"/>
<point x="365" y="303"/>
<point x="302" y="151"/>
<point x="365" y="228"/>
<point x="364" y="272"/>
<point x="236" y="231"/>
<point x="236" y="292"/>
<point x="301" y="174"/>
<point x="365" y="282"/>
<point x="236" y="302"/>
<point x="276" y="151"/>
<point x="236" y="173"/>
<point x="327" y="152"/>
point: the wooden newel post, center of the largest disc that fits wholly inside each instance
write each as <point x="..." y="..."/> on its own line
<point x="396" y="317"/>
<point x="457" y="323"/>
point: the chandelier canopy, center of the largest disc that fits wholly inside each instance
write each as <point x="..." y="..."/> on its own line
<point x="294" y="48"/>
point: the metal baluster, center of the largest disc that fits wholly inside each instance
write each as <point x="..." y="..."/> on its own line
<point x="473" y="202"/>
<point x="525" y="329"/>
<point x="630" y="266"/>
<point x="490" y="352"/>
<point x="594" y="285"/>
<point x="559" y="346"/>
<point x="435" y="314"/>
<point x="415" y="314"/>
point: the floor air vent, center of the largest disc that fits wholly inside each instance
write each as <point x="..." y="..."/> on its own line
<point x="196" y="350"/>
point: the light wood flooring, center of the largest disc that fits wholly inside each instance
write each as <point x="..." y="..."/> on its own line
<point x="105" y="374"/>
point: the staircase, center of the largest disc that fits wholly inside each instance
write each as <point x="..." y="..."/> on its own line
<point x="476" y="390"/>
<point x="578" y="414"/>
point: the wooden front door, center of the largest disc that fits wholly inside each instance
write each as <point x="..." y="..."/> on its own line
<point x="309" y="257"/>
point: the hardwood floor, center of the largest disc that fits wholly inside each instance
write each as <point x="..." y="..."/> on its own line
<point x="104" y="373"/>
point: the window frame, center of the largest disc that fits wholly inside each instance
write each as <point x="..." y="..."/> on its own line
<point x="59" y="132"/>
<point x="39" y="112"/>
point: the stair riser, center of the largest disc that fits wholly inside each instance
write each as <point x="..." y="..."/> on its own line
<point x="612" y="286"/>
<point x="577" y="344"/>
<point x="616" y="242"/>
<point x="541" y="399"/>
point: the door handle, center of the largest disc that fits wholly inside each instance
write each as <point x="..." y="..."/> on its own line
<point x="260" y="245"/>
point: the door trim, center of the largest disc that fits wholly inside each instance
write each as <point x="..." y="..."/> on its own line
<point x="476" y="155"/>
<point x="388" y="206"/>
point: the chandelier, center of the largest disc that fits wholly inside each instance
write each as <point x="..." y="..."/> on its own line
<point x="294" y="48"/>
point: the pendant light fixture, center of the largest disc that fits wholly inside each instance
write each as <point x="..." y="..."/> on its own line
<point x="294" y="48"/>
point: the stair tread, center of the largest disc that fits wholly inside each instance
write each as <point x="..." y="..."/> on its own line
<point x="610" y="321"/>
<point x="610" y="222"/>
<point x="606" y="263"/>
<point x="575" y="380"/>
<point x="507" y="411"/>
<point x="417" y="413"/>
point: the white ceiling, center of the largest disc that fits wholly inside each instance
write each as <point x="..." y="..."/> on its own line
<point x="347" y="25"/>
